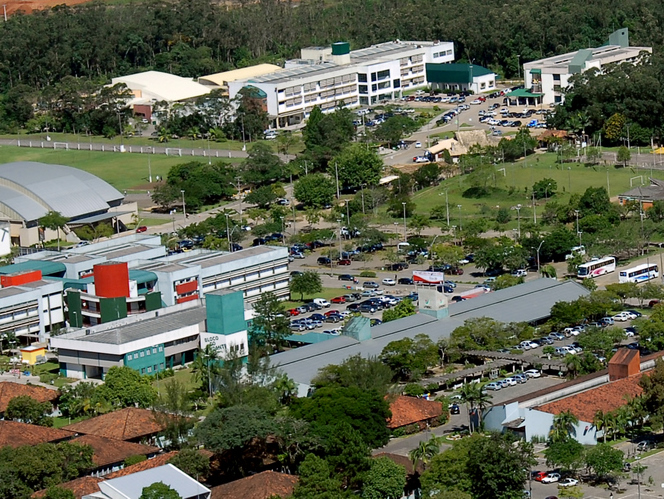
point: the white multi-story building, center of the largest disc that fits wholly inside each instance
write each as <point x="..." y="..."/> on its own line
<point x="548" y="78"/>
<point x="329" y="77"/>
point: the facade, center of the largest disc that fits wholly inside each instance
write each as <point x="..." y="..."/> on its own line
<point x="29" y="190"/>
<point x="222" y="80"/>
<point x="329" y="77"/>
<point x="157" y="340"/>
<point x="150" y="87"/>
<point x="461" y="77"/>
<point x="550" y="76"/>
<point x="645" y="195"/>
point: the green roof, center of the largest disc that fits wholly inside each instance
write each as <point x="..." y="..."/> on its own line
<point x="454" y="73"/>
<point x="47" y="268"/>
<point x="142" y="276"/>
<point x="522" y="92"/>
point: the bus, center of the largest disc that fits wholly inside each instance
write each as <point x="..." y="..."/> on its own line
<point x="596" y="268"/>
<point x="640" y="273"/>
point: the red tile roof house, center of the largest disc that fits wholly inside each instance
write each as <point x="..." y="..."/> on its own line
<point x="408" y="411"/>
<point x="130" y="424"/>
<point x="110" y="454"/>
<point x="259" y="486"/>
<point x="15" y="434"/>
<point x="9" y="390"/>
<point x="533" y="415"/>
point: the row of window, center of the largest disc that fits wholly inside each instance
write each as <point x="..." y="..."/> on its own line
<point x="441" y="54"/>
<point x="150" y="369"/>
<point x="147" y="351"/>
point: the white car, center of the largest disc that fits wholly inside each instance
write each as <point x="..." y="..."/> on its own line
<point x="494" y="385"/>
<point x="551" y="478"/>
<point x="623" y="316"/>
<point x="568" y="482"/>
<point x="389" y="282"/>
<point x="532" y="373"/>
<point x="418" y="144"/>
<point x="420" y="159"/>
<point x="476" y="102"/>
<point x="510" y="381"/>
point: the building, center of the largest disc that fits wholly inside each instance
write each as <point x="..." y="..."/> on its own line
<point x="15" y="434"/>
<point x="129" y="424"/>
<point x="157" y="340"/>
<point x="532" y="415"/>
<point x="81" y="487"/>
<point x="29" y="190"/>
<point x="151" y="87"/>
<point x="407" y="411"/>
<point x="548" y="78"/>
<point x="461" y="77"/>
<point x="530" y="302"/>
<point x="265" y="485"/>
<point x="131" y="486"/>
<point x="109" y="454"/>
<point x="645" y="195"/>
<point x="10" y="390"/>
<point x="222" y="80"/>
<point x="329" y="77"/>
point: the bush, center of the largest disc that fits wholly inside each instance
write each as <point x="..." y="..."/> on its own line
<point x="516" y="352"/>
<point x="134" y="460"/>
<point x="398" y="432"/>
<point x="413" y="390"/>
<point x="432" y="387"/>
<point x="411" y="428"/>
<point x="367" y="273"/>
<point x="548" y="350"/>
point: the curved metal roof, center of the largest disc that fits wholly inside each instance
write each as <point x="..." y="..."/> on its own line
<point x="32" y="189"/>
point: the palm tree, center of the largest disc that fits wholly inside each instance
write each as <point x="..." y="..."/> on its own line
<point x="599" y="422"/>
<point x="163" y="135"/>
<point x="55" y="221"/>
<point x="573" y="363"/>
<point x="470" y="392"/>
<point x="564" y="426"/>
<point x="425" y="451"/>
<point x="206" y="366"/>
<point x="482" y="400"/>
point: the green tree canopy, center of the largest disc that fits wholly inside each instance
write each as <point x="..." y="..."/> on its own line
<point x="28" y="410"/>
<point x="364" y="373"/>
<point x="384" y="480"/>
<point x="159" y="490"/>
<point x="124" y="387"/>
<point x="315" y="190"/>
<point x="410" y="358"/>
<point x="308" y="282"/>
<point x="356" y="165"/>
<point x="403" y="309"/>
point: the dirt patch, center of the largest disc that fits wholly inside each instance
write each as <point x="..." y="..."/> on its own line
<point x="28" y="6"/>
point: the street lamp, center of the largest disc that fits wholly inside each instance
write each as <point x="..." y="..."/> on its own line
<point x="460" y="226"/>
<point x="538" y="256"/>
<point x="405" y="238"/>
<point x="347" y="213"/>
<point x="454" y="229"/>
<point x="184" y="207"/>
<point x="518" y="218"/>
<point x="172" y="214"/>
<point x="576" y="212"/>
<point x="363" y="212"/>
<point x="228" y="234"/>
<point x="447" y="207"/>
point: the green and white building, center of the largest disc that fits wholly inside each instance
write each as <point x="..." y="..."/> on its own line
<point x="461" y="77"/>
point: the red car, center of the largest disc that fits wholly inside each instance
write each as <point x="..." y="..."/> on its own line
<point x="344" y="261"/>
<point x="338" y="299"/>
<point x="293" y="312"/>
<point x="331" y="312"/>
<point x="142" y="228"/>
<point x="538" y="475"/>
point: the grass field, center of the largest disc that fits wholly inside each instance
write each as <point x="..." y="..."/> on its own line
<point x="123" y="171"/>
<point x="570" y="178"/>
<point x="327" y="293"/>
<point x="233" y="145"/>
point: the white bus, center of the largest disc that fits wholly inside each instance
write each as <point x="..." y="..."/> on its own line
<point x="640" y="273"/>
<point x="596" y="268"/>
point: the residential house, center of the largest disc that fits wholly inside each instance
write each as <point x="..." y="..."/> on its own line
<point x="10" y="390"/>
<point x="408" y="411"/>
<point x="645" y="195"/>
<point x="259" y="486"/>
<point x="15" y="434"/>
<point x="110" y="454"/>
<point x="130" y="424"/>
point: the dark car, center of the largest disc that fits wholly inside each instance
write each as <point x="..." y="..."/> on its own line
<point x="375" y="322"/>
<point x="259" y="241"/>
<point x="323" y="260"/>
<point x="367" y="307"/>
<point x="457" y="298"/>
<point x="405" y="280"/>
<point x="317" y="317"/>
<point x="353" y="307"/>
<point x="454" y="409"/>
<point x="347" y="277"/>
<point x="370" y="285"/>
<point x="635" y="312"/>
<point x="396" y="267"/>
<point x="455" y="271"/>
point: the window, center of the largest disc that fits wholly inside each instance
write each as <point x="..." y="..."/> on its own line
<point x="142" y="353"/>
<point x="364" y="89"/>
<point x="155" y="367"/>
<point x="154" y="350"/>
<point x="136" y="356"/>
<point x="374" y="87"/>
<point x="362" y="78"/>
<point x="373" y="76"/>
<point x="556" y="77"/>
<point x="149" y="369"/>
<point x="364" y="100"/>
<point x="161" y="365"/>
<point x="383" y="74"/>
<point x="160" y="348"/>
<point x="396" y="83"/>
<point x="147" y="352"/>
<point x="143" y="371"/>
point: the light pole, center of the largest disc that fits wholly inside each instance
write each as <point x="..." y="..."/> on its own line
<point x="228" y="234"/>
<point x="454" y="230"/>
<point x="347" y="214"/>
<point x="447" y="207"/>
<point x="184" y="208"/>
<point x="363" y="212"/>
<point x="518" y="219"/>
<point x="576" y="212"/>
<point x="283" y="229"/>
<point x="460" y="226"/>
<point x="405" y="237"/>
<point x="172" y="213"/>
<point x="339" y="222"/>
<point x="538" y="256"/>
<point x="518" y="66"/>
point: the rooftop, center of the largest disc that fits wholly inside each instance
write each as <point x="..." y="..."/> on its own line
<point x="604" y="54"/>
<point x="645" y="192"/>
<point x="607" y="397"/>
<point x="108" y="451"/>
<point x="259" y="486"/>
<point x="153" y="462"/>
<point x="126" y="424"/>
<point x="163" y="86"/>
<point x="408" y="410"/>
<point x="9" y="390"/>
<point x="211" y="258"/>
<point x="132" y="485"/>
<point x="528" y="302"/>
<point x="81" y="487"/>
<point x="15" y="434"/>
<point x="223" y="78"/>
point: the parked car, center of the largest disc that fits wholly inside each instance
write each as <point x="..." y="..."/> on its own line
<point x="405" y="280"/>
<point x="323" y="260"/>
<point x="520" y="378"/>
<point x="630" y="331"/>
<point x="538" y="475"/>
<point x="347" y="277"/>
<point x="338" y="299"/>
<point x="606" y="321"/>
<point x="623" y="316"/>
<point x="370" y="285"/>
<point x="142" y="228"/>
<point x="375" y="322"/>
<point x="389" y="282"/>
<point x="494" y="385"/>
<point x="532" y="373"/>
<point x="353" y="307"/>
<point x="367" y="307"/>
<point x="551" y="478"/>
<point x="344" y="261"/>
<point x="634" y="312"/>
<point x="454" y="409"/>
<point x="568" y="482"/>
<point x="510" y="381"/>
<point x="293" y="312"/>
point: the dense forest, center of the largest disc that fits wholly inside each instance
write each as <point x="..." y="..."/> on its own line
<point x="195" y="37"/>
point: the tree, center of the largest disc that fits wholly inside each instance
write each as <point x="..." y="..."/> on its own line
<point x="317" y="481"/>
<point x="262" y="166"/>
<point x="366" y="412"/>
<point x="356" y="165"/>
<point x="614" y="127"/>
<point x="206" y="366"/>
<point x="364" y="373"/>
<point x="124" y="387"/>
<point x="270" y="325"/>
<point x="427" y="175"/>
<point x="308" y="282"/>
<point x="410" y="358"/>
<point x="447" y="254"/>
<point x="403" y="309"/>
<point x="54" y="220"/>
<point x="384" y="480"/>
<point x="59" y="493"/>
<point x="159" y="490"/>
<point x="325" y="135"/>
<point x="506" y="281"/>
<point x="173" y="411"/>
<point x="192" y="462"/>
<point x="28" y="410"/>
<point x="315" y="190"/>
<point x="623" y="156"/>
<point x="503" y="216"/>
<point x="653" y="394"/>
<point x="263" y="196"/>
<point x="448" y="470"/>
<point x="545" y="188"/>
<point x="564" y="426"/>
<point x="425" y="451"/>
<point x="393" y="129"/>
<point x="347" y="453"/>
<point x="604" y="460"/>
<point x="566" y="454"/>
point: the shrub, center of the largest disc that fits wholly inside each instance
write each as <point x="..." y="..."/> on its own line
<point x="411" y="428"/>
<point x="548" y="350"/>
<point x="413" y="390"/>
<point x="367" y="273"/>
<point x="432" y="387"/>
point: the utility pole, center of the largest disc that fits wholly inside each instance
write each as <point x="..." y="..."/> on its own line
<point x="363" y="212"/>
<point x="228" y="234"/>
<point x="238" y="186"/>
<point x="534" y="210"/>
<point x="149" y="169"/>
<point x="460" y="226"/>
<point x="184" y="208"/>
<point x="336" y="176"/>
<point x="405" y="238"/>
<point x="347" y="214"/>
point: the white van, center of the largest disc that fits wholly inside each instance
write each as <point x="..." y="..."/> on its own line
<point x="576" y="250"/>
<point x="322" y="302"/>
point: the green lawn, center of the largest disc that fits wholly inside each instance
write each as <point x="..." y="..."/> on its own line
<point x="570" y="178"/>
<point x="123" y="171"/>
<point x="233" y="145"/>
<point x="185" y="376"/>
<point x="327" y="293"/>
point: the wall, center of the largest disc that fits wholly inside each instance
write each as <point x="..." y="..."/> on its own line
<point x="145" y="359"/>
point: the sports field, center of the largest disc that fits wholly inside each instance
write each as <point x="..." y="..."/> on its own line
<point x="124" y="171"/>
